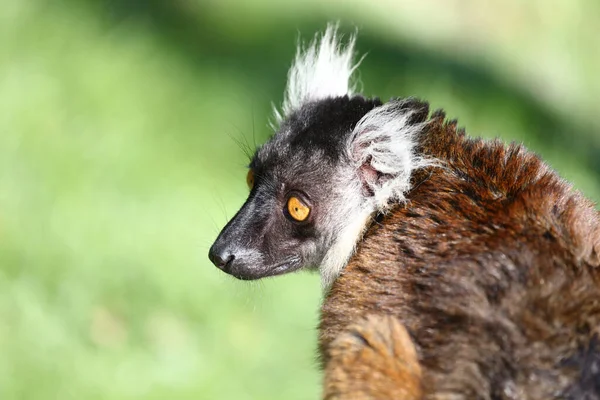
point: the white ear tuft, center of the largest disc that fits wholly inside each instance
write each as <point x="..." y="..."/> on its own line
<point x="384" y="154"/>
<point x="383" y="148"/>
<point x="321" y="71"/>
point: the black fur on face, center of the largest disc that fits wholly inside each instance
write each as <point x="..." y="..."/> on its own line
<point x="307" y="159"/>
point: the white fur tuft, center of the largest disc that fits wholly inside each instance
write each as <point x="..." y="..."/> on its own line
<point x="321" y="71"/>
<point x="385" y="139"/>
<point x="351" y="220"/>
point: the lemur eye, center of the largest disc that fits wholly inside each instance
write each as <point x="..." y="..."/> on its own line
<point x="297" y="209"/>
<point x="250" y="179"/>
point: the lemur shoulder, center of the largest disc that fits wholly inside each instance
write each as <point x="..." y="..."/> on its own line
<point x="453" y="267"/>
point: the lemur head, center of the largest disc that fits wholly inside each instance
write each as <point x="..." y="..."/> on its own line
<point x="336" y="159"/>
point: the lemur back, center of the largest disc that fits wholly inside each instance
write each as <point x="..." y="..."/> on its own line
<point x="491" y="267"/>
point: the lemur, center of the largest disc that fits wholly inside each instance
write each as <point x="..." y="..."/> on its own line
<point x="453" y="267"/>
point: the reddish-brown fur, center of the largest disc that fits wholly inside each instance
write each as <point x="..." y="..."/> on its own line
<point x="491" y="267"/>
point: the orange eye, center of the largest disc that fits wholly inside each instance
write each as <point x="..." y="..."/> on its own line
<point x="297" y="209"/>
<point x="250" y="179"/>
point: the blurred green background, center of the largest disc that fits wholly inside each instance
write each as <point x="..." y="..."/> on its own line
<point x="119" y="164"/>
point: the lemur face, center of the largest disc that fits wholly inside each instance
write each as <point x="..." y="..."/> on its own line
<point x="335" y="160"/>
<point x="299" y="183"/>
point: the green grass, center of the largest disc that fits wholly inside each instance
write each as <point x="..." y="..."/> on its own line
<point x="119" y="165"/>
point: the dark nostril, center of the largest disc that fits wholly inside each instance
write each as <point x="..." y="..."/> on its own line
<point x="221" y="259"/>
<point x="223" y="263"/>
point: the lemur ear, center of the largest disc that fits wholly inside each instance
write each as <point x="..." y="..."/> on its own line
<point x="383" y="148"/>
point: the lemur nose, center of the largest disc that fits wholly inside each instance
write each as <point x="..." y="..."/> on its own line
<point x="221" y="258"/>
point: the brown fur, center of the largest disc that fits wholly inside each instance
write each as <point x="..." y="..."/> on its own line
<point x="379" y="351"/>
<point x="492" y="268"/>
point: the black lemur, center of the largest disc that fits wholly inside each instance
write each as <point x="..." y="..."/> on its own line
<point x="453" y="267"/>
